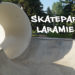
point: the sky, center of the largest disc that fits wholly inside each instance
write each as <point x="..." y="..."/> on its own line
<point x="48" y="3"/>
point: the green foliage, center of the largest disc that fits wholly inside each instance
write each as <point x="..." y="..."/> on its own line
<point x="57" y="8"/>
<point x="32" y="7"/>
<point x="66" y="1"/>
<point x="49" y="12"/>
<point x="60" y="35"/>
<point x="69" y="9"/>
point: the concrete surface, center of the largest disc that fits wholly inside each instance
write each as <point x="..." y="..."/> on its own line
<point x="49" y="57"/>
<point x="44" y="56"/>
<point x="7" y="67"/>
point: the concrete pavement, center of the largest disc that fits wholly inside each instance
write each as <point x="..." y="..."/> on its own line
<point x="44" y="56"/>
<point x="48" y="56"/>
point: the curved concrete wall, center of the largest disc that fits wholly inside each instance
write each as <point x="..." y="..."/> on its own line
<point x="17" y="29"/>
<point x="48" y="49"/>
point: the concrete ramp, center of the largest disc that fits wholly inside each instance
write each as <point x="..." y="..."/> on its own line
<point x="47" y="50"/>
<point x="49" y="56"/>
<point x="7" y="67"/>
<point x="44" y="56"/>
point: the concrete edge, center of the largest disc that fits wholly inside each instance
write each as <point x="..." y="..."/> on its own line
<point x="47" y="38"/>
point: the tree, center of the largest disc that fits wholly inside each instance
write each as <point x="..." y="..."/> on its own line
<point x="69" y="9"/>
<point x="57" y="8"/>
<point x="49" y="12"/>
<point x="67" y="1"/>
<point x="32" y="7"/>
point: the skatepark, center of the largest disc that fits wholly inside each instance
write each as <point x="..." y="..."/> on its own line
<point x="22" y="54"/>
<point x="44" y="56"/>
